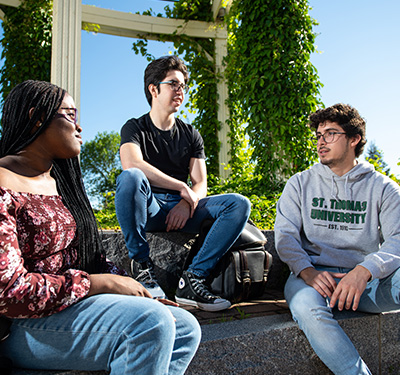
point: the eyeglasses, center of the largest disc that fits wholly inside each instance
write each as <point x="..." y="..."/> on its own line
<point x="328" y="137"/>
<point x="71" y="115"/>
<point x="175" y="86"/>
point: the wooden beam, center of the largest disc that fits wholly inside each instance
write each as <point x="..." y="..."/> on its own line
<point x="217" y="5"/>
<point x="66" y="47"/>
<point x="135" y="25"/>
<point x="11" y="3"/>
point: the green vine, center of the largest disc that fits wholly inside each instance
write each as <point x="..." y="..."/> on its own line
<point x="273" y="88"/>
<point x="26" y="43"/>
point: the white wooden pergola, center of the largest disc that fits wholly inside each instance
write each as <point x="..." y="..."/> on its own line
<point x="70" y="15"/>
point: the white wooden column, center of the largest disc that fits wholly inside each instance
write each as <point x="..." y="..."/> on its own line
<point x="66" y="46"/>
<point x="223" y="111"/>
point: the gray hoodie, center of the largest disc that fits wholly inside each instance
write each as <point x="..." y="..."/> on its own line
<point x="325" y="219"/>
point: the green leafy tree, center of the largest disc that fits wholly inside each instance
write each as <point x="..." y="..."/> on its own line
<point x="26" y="43"/>
<point x="100" y="163"/>
<point x="375" y="156"/>
<point x="105" y="215"/>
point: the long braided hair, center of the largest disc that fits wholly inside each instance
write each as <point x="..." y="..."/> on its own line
<point x="17" y="133"/>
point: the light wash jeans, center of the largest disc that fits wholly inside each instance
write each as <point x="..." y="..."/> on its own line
<point x="315" y="318"/>
<point x="123" y="334"/>
<point x="140" y="211"/>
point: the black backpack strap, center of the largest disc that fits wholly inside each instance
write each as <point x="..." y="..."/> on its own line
<point x="245" y="273"/>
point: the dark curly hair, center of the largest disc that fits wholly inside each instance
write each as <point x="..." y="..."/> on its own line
<point x="17" y="125"/>
<point x="158" y="69"/>
<point x="347" y="117"/>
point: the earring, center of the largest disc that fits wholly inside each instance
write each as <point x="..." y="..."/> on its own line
<point x="39" y="124"/>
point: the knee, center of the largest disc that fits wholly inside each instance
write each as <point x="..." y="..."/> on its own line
<point x="151" y="318"/>
<point x="243" y="204"/>
<point x="307" y="306"/>
<point x="309" y="315"/>
<point x="132" y="179"/>
<point x="174" y="326"/>
<point x="187" y="325"/>
<point x="163" y="326"/>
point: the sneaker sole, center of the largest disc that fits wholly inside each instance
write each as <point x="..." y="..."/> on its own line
<point x="204" y="306"/>
<point x="156" y="292"/>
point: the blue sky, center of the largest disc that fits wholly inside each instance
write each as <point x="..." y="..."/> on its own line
<point x="358" y="43"/>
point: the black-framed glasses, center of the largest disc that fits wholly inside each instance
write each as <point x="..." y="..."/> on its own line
<point x="71" y="114"/>
<point x="328" y="137"/>
<point x="175" y="86"/>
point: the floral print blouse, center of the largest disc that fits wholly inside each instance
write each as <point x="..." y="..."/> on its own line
<point x="38" y="251"/>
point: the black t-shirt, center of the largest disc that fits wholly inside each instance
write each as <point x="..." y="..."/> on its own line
<point x="169" y="151"/>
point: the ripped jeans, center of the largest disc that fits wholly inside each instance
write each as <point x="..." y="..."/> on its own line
<point x="315" y="318"/>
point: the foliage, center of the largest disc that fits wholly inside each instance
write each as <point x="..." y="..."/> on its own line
<point x="273" y="87"/>
<point x="375" y="157"/>
<point x="100" y="163"/>
<point x="106" y="216"/>
<point x="26" y="43"/>
<point x="263" y="203"/>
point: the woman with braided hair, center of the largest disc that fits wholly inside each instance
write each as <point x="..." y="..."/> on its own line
<point x="68" y="307"/>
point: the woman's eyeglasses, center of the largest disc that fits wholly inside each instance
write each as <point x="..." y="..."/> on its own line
<point x="71" y="114"/>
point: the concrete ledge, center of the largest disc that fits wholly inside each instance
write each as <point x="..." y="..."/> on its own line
<point x="275" y="345"/>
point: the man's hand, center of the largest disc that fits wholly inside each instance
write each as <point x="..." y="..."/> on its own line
<point x="190" y="197"/>
<point x="349" y="290"/>
<point x="322" y="281"/>
<point x="178" y="216"/>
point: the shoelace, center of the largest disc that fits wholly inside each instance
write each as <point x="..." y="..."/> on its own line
<point x="200" y="288"/>
<point x="146" y="276"/>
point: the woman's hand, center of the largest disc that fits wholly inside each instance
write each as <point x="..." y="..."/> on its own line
<point x="115" y="284"/>
<point x="108" y="283"/>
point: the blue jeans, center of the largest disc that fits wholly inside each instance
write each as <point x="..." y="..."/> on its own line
<point x="315" y="318"/>
<point x="139" y="210"/>
<point x="122" y="334"/>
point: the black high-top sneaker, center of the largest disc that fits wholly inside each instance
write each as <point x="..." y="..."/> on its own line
<point x="193" y="291"/>
<point x="144" y="273"/>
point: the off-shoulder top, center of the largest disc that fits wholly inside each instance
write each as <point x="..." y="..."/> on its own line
<point x="38" y="253"/>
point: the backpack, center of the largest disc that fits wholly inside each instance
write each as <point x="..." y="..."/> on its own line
<point x="241" y="274"/>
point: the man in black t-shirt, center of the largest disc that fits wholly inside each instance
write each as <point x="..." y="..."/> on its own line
<point x="159" y="153"/>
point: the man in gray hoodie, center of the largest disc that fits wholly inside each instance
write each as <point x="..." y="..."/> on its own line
<point x="338" y="229"/>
